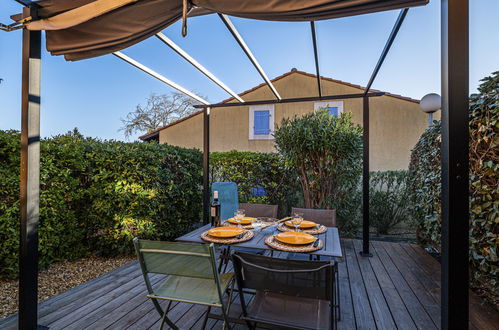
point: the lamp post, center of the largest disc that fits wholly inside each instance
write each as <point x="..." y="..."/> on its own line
<point x="430" y="103"/>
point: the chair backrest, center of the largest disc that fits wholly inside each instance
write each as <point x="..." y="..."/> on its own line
<point x="324" y="217"/>
<point x="259" y="210"/>
<point x="228" y="198"/>
<point x="174" y="258"/>
<point x="299" y="278"/>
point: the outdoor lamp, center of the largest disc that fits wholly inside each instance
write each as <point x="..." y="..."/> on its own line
<point x="429" y="104"/>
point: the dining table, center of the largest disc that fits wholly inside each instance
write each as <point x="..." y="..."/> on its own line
<point x="331" y="248"/>
<point x="331" y="240"/>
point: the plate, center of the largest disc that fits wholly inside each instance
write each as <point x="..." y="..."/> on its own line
<point x="304" y="225"/>
<point x="226" y="232"/>
<point x="244" y="221"/>
<point x="295" y="238"/>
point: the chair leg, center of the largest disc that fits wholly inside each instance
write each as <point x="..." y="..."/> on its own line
<point x="206" y="317"/>
<point x="338" y="291"/>
<point x="164" y="317"/>
<point x="166" y="320"/>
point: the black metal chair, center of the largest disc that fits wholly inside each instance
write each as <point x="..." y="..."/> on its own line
<point x="259" y="210"/>
<point x="294" y="294"/>
<point x="328" y="219"/>
<point x="324" y="217"/>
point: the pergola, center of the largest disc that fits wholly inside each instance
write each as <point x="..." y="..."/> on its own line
<point x="87" y="28"/>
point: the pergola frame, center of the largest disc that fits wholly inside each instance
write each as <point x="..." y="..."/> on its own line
<point x="454" y="157"/>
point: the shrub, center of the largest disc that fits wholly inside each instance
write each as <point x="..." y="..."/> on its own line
<point x="261" y="178"/>
<point x="96" y="195"/>
<point x="326" y="151"/>
<point x="484" y="180"/>
<point x="388" y="203"/>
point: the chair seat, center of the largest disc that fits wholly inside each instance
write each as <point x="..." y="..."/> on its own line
<point x="289" y="311"/>
<point x="192" y="290"/>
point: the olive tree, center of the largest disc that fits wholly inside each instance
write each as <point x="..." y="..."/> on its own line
<point x="326" y="151"/>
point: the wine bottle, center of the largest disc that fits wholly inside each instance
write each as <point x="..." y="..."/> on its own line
<point x="215" y="210"/>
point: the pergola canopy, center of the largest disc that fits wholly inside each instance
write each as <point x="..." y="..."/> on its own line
<point x="80" y="29"/>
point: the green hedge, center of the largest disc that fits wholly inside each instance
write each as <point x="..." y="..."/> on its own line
<point x="96" y="195"/>
<point x="388" y="200"/>
<point x="425" y="191"/>
<point x="250" y="170"/>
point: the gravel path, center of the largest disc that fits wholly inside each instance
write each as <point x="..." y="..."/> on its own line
<point x="58" y="278"/>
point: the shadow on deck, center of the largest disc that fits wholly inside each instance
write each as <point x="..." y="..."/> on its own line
<point x="399" y="287"/>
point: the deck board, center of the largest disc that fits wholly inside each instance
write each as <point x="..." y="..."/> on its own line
<point x="399" y="287"/>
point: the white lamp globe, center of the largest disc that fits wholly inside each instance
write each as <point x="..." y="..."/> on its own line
<point x="430" y="103"/>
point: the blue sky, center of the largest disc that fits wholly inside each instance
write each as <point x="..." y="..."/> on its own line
<point x="94" y="94"/>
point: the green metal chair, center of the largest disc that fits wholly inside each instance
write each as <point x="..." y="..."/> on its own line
<point x="192" y="276"/>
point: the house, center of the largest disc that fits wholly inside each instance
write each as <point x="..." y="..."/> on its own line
<point x="396" y="122"/>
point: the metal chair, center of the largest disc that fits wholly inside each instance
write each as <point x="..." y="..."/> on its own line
<point x="259" y="210"/>
<point x="328" y="219"/>
<point x="294" y="294"/>
<point x="324" y="217"/>
<point x="192" y="276"/>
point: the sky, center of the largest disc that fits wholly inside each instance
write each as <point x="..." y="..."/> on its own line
<point x="94" y="94"/>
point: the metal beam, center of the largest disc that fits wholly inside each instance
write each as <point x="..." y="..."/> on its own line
<point x="196" y="64"/>
<point x="316" y="58"/>
<point x="29" y="177"/>
<point x="159" y="77"/>
<point x="26" y="3"/>
<point x="388" y="45"/>
<point x="248" y="52"/>
<point x="455" y="164"/>
<point x="295" y="100"/>
<point x="206" y="165"/>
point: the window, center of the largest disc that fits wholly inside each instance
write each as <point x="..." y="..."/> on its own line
<point x="261" y="122"/>
<point x="335" y="108"/>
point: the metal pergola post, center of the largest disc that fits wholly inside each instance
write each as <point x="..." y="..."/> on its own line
<point x="29" y="176"/>
<point x="455" y="164"/>
<point x="365" y="178"/>
<point x="206" y="165"/>
<point x="365" y="115"/>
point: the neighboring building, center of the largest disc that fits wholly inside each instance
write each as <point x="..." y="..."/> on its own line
<point x="396" y="122"/>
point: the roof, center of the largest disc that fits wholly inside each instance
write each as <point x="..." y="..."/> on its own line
<point x="156" y="131"/>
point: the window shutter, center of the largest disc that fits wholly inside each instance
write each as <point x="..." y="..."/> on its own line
<point x="261" y="122"/>
<point x="333" y="111"/>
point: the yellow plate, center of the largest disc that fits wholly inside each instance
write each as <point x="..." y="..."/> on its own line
<point x="304" y="225"/>
<point x="244" y="221"/>
<point x="225" y="232"/>
<point x="295" y="238"/>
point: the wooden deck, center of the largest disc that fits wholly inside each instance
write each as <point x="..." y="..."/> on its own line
<point x="398" y="288"/>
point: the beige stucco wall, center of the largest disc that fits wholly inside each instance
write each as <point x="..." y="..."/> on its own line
<point x="395" y="124"/>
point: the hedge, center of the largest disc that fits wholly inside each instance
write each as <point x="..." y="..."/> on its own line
<point x="253" y="171"/>
<point x="96" y="195"/>
<point x="424" y="180"/>
<point x="261" y="178"/>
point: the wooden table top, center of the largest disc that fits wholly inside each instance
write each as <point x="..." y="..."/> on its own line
<point x="331" y="239"/>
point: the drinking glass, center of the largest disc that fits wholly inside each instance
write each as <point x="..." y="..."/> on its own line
<point x="238" y="216"/>
<point x="297" y="220"/>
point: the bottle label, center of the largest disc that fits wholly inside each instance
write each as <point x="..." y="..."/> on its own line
<point x="213" y="211"/>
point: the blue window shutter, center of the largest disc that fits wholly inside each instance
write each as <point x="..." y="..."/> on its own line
<point x="261" y="122"/>
<point x="333" y="111"/>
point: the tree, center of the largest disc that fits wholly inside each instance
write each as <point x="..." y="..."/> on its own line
<point x="160" y="110"/>
<point x="326" y="151"/>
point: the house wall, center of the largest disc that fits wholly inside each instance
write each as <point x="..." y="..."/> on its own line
<point x="395" y="124"/>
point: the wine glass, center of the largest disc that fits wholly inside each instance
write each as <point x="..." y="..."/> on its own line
<point x="238" y="216"/>
<point x="297" y="220"/>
